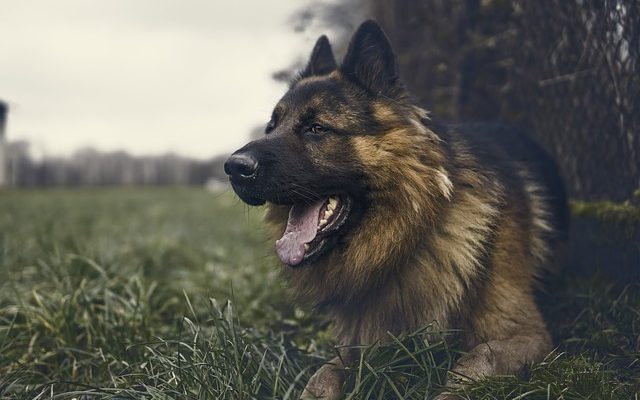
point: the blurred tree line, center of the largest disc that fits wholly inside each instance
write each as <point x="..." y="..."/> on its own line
<point x="567" y="71"/>
<point x="89" y="167"/>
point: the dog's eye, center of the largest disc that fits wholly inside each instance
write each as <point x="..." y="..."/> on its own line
<point x="318" y="129"/>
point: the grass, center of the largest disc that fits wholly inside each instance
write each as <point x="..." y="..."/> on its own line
<point x="174" y="293"/>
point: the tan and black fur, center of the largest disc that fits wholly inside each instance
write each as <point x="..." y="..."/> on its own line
<point x="450" y="225"/>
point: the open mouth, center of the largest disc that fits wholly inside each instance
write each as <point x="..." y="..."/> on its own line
<point x="311" y="227"/>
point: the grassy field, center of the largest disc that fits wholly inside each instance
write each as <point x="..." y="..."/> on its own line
<point x="175" y="293"/>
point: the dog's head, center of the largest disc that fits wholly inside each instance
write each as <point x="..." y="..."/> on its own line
<point x="317" y="161"/>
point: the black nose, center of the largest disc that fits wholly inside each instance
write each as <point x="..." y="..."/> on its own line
<point x="241" y="166"/>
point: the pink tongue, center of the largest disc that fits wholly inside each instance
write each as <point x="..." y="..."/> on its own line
<point x="301" y="228"/>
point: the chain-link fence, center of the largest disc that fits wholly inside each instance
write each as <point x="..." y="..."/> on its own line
<point x="568" y="70"/>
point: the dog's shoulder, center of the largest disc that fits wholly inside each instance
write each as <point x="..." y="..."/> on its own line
<point x="511" y="153"/>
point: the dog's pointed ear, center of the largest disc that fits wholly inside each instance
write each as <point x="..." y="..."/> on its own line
<point x="370" y="61"/>
<point x="321" y="61"/>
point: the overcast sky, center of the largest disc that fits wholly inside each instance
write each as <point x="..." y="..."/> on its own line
<point x="146" y="76"/>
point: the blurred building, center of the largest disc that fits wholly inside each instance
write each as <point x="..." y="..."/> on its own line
<point x="3" y="154"/>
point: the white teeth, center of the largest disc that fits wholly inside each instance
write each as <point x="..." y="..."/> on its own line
<point x="333" y="202"/>
<point x="327" y="214"/>
<point x="306" y="246"/>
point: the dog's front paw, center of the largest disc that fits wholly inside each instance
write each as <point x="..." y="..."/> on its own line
<point x="325" y="384"/>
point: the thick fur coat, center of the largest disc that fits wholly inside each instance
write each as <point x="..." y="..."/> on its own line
<point x="436" y="223"/>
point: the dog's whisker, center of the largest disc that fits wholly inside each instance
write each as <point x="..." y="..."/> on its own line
<point x="311" y="195"/>
<point x="305" y="197"/>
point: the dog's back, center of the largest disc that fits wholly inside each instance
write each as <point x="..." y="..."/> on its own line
<point x="511" y="152"/>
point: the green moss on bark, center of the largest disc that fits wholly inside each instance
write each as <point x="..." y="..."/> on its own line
<point x="624" y="215"/>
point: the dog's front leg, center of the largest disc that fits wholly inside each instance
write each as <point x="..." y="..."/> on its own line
<point x="327" y="382"/>
<point x="498" y="357"/>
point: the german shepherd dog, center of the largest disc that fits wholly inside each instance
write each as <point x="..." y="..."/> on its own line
<point x="387" y="221"/>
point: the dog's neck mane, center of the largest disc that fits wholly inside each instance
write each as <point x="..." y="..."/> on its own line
<point x="423" y="203"/>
